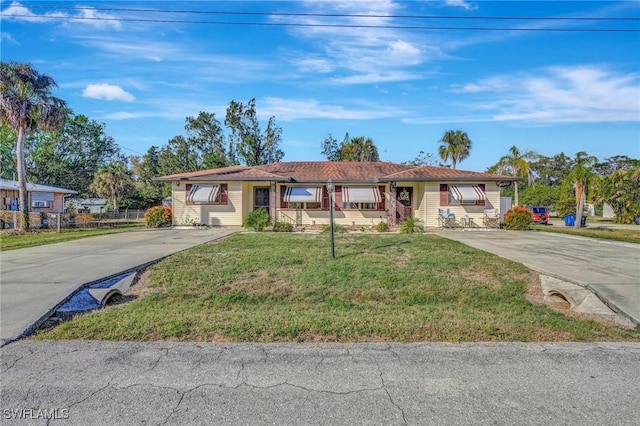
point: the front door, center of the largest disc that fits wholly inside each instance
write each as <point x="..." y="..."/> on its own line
<point x="261" y="198"/>
<point x="404" y="197"/>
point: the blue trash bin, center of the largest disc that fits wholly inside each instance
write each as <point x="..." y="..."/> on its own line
<point x="569" y="219"/>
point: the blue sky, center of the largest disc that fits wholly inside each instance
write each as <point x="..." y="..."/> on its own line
<point x="141" y="71"/>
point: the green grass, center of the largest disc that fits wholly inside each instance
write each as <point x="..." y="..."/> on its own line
<point x="38" y="238"/>
<point x="286" y="288"/>
<point x="626" y="235"/>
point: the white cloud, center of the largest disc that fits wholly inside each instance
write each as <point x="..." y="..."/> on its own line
<point x="297" y="109"/>
<point x="320" y="65"/>
<point x="356" y="54"/>
<point x="85" y="16"/>
<point x="576" y="94"/>
<point x="7" y="37"/>
<point x="376" y="77"/>
<point x="461" y="3"/>
<point x="107" y="92"/>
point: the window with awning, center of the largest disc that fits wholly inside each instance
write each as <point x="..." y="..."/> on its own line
<point x="302" y="197"/>
<point x="361" y="194"/>
<point x="467" y="194"/>
<point x="303" y="194"/>
<point x="362" y="198"/>
<point x="204" y="194"/>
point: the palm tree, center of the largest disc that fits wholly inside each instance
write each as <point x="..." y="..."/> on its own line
<point x="454" y="145"/>
<point x="516" y="164"/>
<point x="358" y="149"/>
<point x="581" y="177"/>
<point x="113" y="181"/>
<point x="26" y="106"/>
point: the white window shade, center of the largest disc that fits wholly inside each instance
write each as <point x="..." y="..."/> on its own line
<point x="203" y="193"/>
<point x="361" y="194"/>
<point x="41" y="196"/>
<point x="466" y="194"/>
<point x="303" y="194"/>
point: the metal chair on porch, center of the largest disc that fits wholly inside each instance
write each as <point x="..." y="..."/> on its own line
<point x="446" y="219"/>
<point x="491" y="218"/>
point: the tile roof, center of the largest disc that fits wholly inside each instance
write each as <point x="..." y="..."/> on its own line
<point x="231" y="173"/>
<point x="338" y="171"/>
<point x="431" y="173"/>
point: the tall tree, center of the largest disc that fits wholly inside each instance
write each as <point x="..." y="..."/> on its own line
<point x="582" y="176"/>
<point x="330" y="148"/>
<point x="7" y="153"/>
<point x="70" y="156"/>
<point x="252" y="146"/>
<point x="621" y="190"/>
<point x="359" y="149"/>
<point x="551" y="171"/>
<point x="112" y="181"/>
<point x="515" y="164"/>
<point x="350" y="149"/>
<point x="205" y="133"/>
<point x="178" y="156"/>
<point x="423" y="159"/>
<point x="201" y="148"/>
<point x="617" y="162"/>
<point x="144" y="169"/>
<point x="27" y="105"/>
<point x="454" y="145"/>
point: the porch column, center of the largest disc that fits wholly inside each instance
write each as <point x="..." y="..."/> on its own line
<point x="273" y="201"/>
<point x="391" y="211"/>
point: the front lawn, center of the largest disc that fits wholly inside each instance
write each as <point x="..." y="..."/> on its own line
<point x="625" y="235"/>
<point x="264" y="287"/>
<point x="10" y="241"/>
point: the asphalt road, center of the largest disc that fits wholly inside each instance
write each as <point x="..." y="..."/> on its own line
<point x="115" y="383"/>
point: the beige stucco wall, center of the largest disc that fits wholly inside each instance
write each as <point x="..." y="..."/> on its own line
<point x="425" y="204"/>
<point x="364" y="218"/>
<point x="208" y="214"/>
<point x="429" y="213"/>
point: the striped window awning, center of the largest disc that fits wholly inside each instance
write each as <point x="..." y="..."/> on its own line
<point x="303" y="194"/>
<point x="467" y="193"/>
<point x="41" y="196"/>
<point x="203" y="193"/>
<point x="361" y="194"/>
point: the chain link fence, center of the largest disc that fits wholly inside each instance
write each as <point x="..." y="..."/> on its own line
<point x="9" y="219"/>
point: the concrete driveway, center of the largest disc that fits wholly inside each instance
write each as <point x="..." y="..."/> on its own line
<point x="610" y="269"/>
<point x="36" y="280"/>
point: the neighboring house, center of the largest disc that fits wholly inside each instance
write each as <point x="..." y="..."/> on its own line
<point x="365" y="193"/>
<point x="42" y="198"/>
<point x="89" y="205"/>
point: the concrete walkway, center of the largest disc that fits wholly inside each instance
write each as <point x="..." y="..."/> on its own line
<point x="610" y="269"/>
<point x="36" y="280"/>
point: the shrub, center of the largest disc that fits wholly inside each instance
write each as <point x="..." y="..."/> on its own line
<point x="382" y="227"/>
<point x="337" y="229"/>
<point x="84" y="219"/>
<point x="518" y="218"/>
<point x="158" y="217"/>
<point x="257" y="220"/>
<point x="411" y="225"/>
<point x="282" y="227"/>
